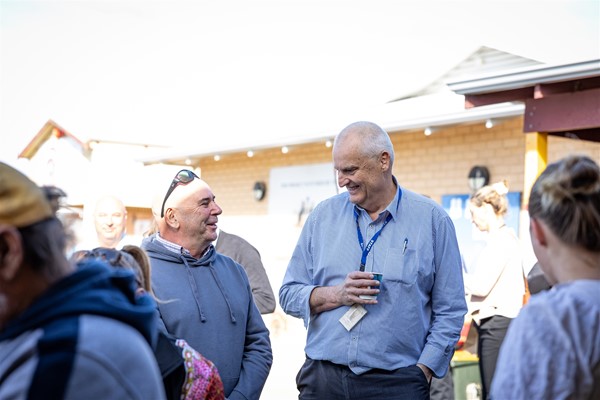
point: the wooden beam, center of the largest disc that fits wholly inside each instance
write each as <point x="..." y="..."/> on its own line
<point x="530" y="92"/>
<point x="549" y="89"/>
<point x="563" y="112"/>
<point x="485" y="99"/>
<point x="593" y="135"/>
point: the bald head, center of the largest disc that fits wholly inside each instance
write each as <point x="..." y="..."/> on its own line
<point x="110" y="221"/>
<point x="366" y="136"/>
<point x="190" y="217"/>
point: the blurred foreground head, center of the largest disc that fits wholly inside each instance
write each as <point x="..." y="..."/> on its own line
<point x="31" y="243"/>
<point x="564" y="207"/>
<point x="566" y="197"/>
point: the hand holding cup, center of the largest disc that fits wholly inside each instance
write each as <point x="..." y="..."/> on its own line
<point x="378" y="276"/>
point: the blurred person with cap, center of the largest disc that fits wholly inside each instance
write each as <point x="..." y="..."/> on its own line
<point x="66" y="332"/>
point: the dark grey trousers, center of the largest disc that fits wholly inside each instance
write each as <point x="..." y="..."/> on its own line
<point x="319" y="380"/>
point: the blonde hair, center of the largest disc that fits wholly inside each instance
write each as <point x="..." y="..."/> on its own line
<point x="494" y="195"/>
<point x="152" y="229"/>
<point x="566" y="196"/>
<point x="143" y="263"/>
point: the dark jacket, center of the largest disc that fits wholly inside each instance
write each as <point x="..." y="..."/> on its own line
<point x="88" y="336"/>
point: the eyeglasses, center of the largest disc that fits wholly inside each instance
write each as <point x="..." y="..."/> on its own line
<point x="184" y="176"/>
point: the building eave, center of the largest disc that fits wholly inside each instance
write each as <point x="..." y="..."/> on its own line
<point x="525" y="77"/>
<point x="460" y="117"/>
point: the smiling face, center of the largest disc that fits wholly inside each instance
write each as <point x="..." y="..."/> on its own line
<point x="110" y="219"/>
<point x="195" y="212"/>
<point x="362" y="175"/>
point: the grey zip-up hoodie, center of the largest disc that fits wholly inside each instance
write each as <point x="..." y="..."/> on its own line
<point x="208" y="302"/>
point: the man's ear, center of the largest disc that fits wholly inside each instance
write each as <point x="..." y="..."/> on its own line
<point x="11" y="252"/>
<point x="171" y="218"/>
<point x="384" y="161"/>
<point x="537" y="232"/>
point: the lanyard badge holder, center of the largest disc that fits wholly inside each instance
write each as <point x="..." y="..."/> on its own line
<point x="357" y="311"/>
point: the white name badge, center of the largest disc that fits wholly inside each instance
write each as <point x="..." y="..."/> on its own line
<point x="352" y="316"/>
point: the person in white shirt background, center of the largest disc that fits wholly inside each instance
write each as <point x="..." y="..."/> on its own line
<point x="496" y="286"/>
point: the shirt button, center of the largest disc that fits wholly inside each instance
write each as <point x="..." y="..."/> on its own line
<point x="354" y="338"/>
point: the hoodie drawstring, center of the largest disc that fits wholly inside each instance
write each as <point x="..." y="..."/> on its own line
<point x="195" y="290"/>
<point x="220" y="285"/>
<point x="197" y="294"/>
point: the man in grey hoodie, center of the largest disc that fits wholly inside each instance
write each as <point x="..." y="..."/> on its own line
<point x="205" y="297"/>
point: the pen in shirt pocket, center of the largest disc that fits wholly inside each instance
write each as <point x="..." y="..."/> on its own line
<point x="405" y="245"/>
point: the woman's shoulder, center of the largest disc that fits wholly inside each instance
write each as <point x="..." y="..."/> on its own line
<point x="564" y="304"/>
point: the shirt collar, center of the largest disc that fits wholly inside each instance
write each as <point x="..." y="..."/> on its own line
<point x="175" y="248"/>
<point x="392" y="208"/>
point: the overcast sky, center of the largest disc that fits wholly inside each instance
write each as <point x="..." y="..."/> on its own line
<point x="175" y="72"/>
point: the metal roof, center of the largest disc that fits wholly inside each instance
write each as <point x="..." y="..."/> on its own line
<point x="561" y="100"/>
<point x="523" y="77"/>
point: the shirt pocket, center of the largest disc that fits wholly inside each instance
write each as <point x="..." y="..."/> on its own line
<point x="401" y="266"/>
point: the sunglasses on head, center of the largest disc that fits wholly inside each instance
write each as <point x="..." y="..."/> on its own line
<point x="116" y="258"/>
<point x="184" y="176"/>
<point x="112" y="256"/>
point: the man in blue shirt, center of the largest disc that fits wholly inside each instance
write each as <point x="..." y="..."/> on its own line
<point x="389" y="347"/>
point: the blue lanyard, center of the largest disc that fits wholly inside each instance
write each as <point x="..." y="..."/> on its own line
<point x="361" y="241"/>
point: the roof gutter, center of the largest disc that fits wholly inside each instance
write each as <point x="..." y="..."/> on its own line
<point x="524" y="77"/>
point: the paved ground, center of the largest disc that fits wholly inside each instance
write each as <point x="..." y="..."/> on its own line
<point x="287" y="340"/>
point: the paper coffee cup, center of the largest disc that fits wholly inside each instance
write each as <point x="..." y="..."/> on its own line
<point x="378" y="276"/>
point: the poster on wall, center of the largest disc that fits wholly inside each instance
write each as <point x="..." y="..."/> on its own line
<point x="470" y="239"/>
<point x="297" y="190"/>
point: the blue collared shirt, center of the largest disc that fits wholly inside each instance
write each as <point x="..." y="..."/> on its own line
<point x="176" y="248"/>
<point x="421" y="306"/>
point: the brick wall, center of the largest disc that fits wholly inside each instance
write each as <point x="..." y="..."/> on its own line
<point x="232" y="177"/>
<point x="432" y="165"/>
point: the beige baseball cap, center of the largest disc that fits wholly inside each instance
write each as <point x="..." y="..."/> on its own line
<point x="22" y="202"/>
